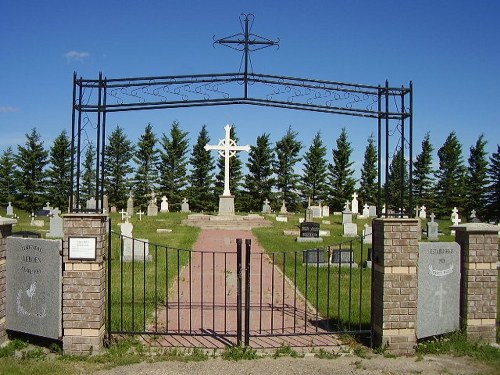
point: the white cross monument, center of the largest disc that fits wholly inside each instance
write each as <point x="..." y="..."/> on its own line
<point x="227" y="148"/>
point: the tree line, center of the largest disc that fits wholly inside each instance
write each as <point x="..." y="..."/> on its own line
<point x="33" y="175"/>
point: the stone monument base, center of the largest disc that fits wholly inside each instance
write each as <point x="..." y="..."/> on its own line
<point x="309" y="239"/>
<point x="226" y="205"/>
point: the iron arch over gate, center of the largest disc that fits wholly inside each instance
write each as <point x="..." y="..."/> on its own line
<point x="102" y="96"/>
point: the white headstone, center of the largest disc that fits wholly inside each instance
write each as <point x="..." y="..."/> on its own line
<point x="283" y="208"/>
<point x="56" y="225"/>
<point x="422" y="212"/>
<point x="266" y="208"/>
<point x="10" y="210"/>
<point x="227" y="148"/>
<point x="283" y="219"/>
<point x="432" y="228"/>
<point x="185" y="205"/>
<point x="316" y="211"/>
<point x="164" y="204"/>
<point x="91" y="204"/>
<point x="350" y="229"/>
<point x="366" y="211"/>
<point x="367" y="234"/>
<point x="354" y="203"/>
<point x="372" y="211"/>
<point x="130" y="205"/>
<point x="326" y="211"/>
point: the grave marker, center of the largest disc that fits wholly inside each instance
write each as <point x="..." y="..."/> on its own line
<point x="56" y="225"/>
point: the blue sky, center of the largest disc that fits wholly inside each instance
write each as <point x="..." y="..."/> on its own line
<point x="449" y="49"/>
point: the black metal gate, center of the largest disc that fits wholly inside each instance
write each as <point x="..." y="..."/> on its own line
<point x="237" y="297"/>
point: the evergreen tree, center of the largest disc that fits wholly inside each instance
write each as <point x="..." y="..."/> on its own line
<point x="450" y="176"/>
<point x="235" y="174"/>
<point x="340" y="173"/>
<point x="493" y="196"/>
<point x="146" y="174"/>
<point x="174" y="164"/>
<point x="59" y="172"/>
<point x="259" y="181"/>
<point x="423" y="184"/>
<point x="30" y="175"/>
<point x="287" y="156"/>
<point x="368" y="188"/>
<point x="117" y="168"/>
<point x="7" y="182"/>
<point x="88" y="174"/>
<point x="397" y="183"/>
<point x="314" y="172"/>
<point x="201" y="189"/>
<point x="477" y="180"/>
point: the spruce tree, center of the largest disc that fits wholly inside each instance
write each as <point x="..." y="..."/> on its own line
<point x="450" y="176"/>
<point x="117" y="168"/>
<point x="493" y="196"/>
<point x="368" y="188"/>
<point x="59" y="172"/>
<point x="314" y="172"/>
<point x="202" y="164"/>
<point x="287" y="156"/>
<point x="174" y="163"/>
<point x="340" y="173"/>
<point x="259" y="180"/>
<point x="146" y="173"/>
<point x="87" y="190"/>
<point x="397" y="183"/>
<point x="31" y="176"/>
<point x="423" y="184"/>
<point x="7" y="182"/>
<point x="235" y="173"/>
<point x="477" y="180"/>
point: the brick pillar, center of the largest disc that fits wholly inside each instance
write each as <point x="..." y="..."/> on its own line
<point x="5" y="231"/>
<point x="478" y="307"/>
<point x="394" y="286"/>
<point x="84" y="290"/>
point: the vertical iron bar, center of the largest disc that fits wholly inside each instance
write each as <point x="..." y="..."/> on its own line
<point x="213" y="291"/>
<point x="379" y="154"/>
<point x="361" y="282"/>
<point x="79" y="144"/>
<point x="238" y="292"/>
<point x="248" y="246"/>
<point x="272" y="297"/>
<point x="260" y="295"/>
<point x="306" y="299"/>
<point x="72" y="178"/>
<point x="144" y="284"/>
<point x="328" y="291"/>
<point x="110" y="253"/>
<point x="179" y="290"/>
<point x="386" y="188"/>
<point x="190" y="291"/>
<point x="410" y="188"/>
<point x="156" y="288"/>
<point x="295" y="292"/>
<point x="121" y="282"/>
<point x="98" y="145"/>
<point x="317" y="289"/>
<point x="167" y="307"/>
<point x="133" y="283"/>
<point x="103" y="146"/>
<point x="225" y="292"/>
<point x="201" y="289"/>
<point x="245" y="74"/>
<point x="283" y="295"/>
<point x="339" y="297"/>
<point x="403" y="166"/>
<point x="351" y="254"/>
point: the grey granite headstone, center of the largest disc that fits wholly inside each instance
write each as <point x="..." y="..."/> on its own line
<point x="105" y="204"/>
<point x="316" y="211"/>
<point x="56" y="225"/>
<point x="152" y="209"/>
<point x="346" y="217"/>
<point x="438" y="300"/>
<point x="344" y="258"/>
<point x="372" y="211"/>
<point x="91" y="204"/>
<point x="34" y="286"/>
<point x="266" y="208"/>
<point x="325" y="211"/>
<point x="130" y="206"/>
<point x="309" y="215"/>
<point x="367" y="234"/>
<point x="283" y="209"/>
<point x="136" y="249"/>
<point x="309" y="229"/>
<point x="313" y="257"/>
<point x="432" y="229"/>
<point x="350" y="230"/>
<point x="366" y="211"/>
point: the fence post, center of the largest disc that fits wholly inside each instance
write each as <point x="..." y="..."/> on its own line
<point x="5" y="231"/>
<point x="394" y="286"/>
<point x="238" y="291"/>
<point x="478" y="307"/>
<point x="84" y="293"/>
<point x="248" y="246"/>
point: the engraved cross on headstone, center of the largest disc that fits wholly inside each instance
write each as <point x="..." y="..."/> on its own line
<point x="440" y="293"/>
<point x="227" y="148"/>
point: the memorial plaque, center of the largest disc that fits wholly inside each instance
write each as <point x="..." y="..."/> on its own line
<point x="309" y="229"/>
<point x="34" y="286"/>
<point x="82" y="248"/>
<point x="313" y="256"/>
<point x="40" y="213"/>
<point x="438" y="288"/>
<point x="342" y="256"/>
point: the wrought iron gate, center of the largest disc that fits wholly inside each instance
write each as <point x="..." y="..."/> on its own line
<point x="235" y="297"/>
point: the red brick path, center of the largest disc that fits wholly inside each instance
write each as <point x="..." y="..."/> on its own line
<point x="204" y="301"/>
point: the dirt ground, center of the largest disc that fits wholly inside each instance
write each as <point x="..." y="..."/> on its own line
<point x="349" y="364"/>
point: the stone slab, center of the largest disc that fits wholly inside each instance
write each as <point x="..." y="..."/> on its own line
<point x="314" y="257"/>
<point x="438" y="301"/>
<point x="34" y="286"/>
<point x="350" y="230"/>
<point x="309" y="239"/>
<point x="309" y="229"/>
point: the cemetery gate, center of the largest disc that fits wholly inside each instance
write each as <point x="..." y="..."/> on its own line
<point x="238" y="296"/>
<point x="95" y="99"/>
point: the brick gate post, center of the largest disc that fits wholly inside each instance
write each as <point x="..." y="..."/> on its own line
<point x="478" y="307"/>
<point x="5" y="231"/>
<point x="394" y="286"/>
<point x="84" y="290"/>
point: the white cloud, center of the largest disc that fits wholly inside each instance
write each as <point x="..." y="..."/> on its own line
<point x="76" y="56"/>
<point x="7" y="109"/>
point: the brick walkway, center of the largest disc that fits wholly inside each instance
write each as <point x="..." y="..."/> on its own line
<point x="204" y="302"/>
